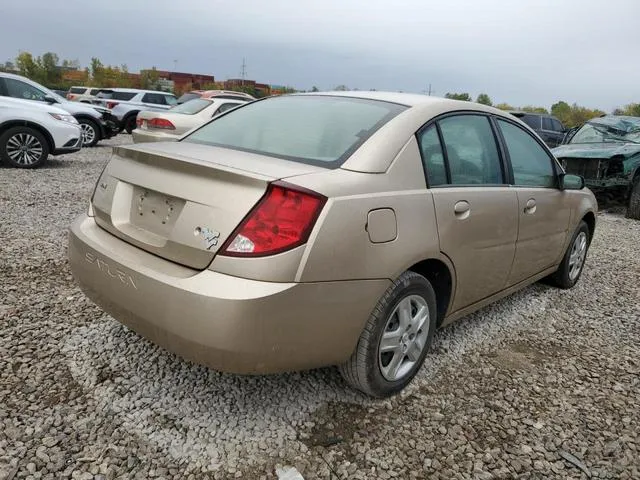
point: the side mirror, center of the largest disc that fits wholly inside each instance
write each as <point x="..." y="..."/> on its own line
<point x="50" y="100"/>
<point x="571" y="182"/>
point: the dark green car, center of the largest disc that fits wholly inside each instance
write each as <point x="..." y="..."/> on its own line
<point x="606" y="152"/>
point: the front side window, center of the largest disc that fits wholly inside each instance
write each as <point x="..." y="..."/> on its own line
<point x="471" y="150"/>
<point x="532" y="165"/>
<point x="532" y="120"/>
<point x="432" y="156"/>
<point x="153" y="98"/>
<point x="546" y="124"/>
<point x="77" y="90"/>
<point x="19" y="89"/>
<point x="94" y="91"/>
<point x="557" y="126"/>
<point x="320" y="129"/>
<point x="124" y="96"/>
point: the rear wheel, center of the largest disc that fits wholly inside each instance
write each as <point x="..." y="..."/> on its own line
<point x="23" y="147"/>
<point x="633" y="211"/>
<point x="396" y="338"/>
<point x="90" y="132"/>
<point x="570" y="269"/>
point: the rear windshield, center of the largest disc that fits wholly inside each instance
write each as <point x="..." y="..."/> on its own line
<point x="192" y="106"/>
<point x="321" y="130"/>
<point x="77" y="90"/>
<point x="188" y="96"/>
<point x="122" y="95"/>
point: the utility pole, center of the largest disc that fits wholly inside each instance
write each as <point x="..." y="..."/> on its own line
<point x="175" y="65"/>
<point x="243" y="72"/>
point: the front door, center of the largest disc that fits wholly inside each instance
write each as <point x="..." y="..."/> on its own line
<point x="544" y="210"/>
<point x="476" y="212"/>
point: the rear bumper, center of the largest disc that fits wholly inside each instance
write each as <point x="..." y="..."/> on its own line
<point x="227" y="323"/>
<point x="146" y="136"/>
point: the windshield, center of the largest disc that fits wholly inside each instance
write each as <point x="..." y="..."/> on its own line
<point x="191" y="107"/>
<point x="595" y="133"/>
<point x="321" y="130"/>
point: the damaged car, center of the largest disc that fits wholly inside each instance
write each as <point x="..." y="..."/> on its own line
<point x="606" y="152"/>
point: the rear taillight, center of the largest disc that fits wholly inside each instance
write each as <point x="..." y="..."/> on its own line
<point x="139" y="122"/>
<point x="110" y="105"/>
<point x="282" y="220"/>
<point x="69" y="96"/>
<point x="160" y="123"/>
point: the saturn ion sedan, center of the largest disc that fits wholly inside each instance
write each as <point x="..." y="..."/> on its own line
<point x="326" y="229"/>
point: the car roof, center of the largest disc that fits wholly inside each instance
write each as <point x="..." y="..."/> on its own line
<point x="133" y="90"/>
<point x="216" y="93"/>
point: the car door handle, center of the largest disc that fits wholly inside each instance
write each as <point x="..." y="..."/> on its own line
<point x="530" y="207"/>
<point x="462" y="209"/>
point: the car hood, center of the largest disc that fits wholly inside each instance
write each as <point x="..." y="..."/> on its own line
<point x="597" y="150"/>
<point x="17" y="103"/>
<point x="77" y="108"/>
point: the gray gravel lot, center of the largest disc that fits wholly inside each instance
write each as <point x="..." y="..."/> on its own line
<point x="544" y="384"/>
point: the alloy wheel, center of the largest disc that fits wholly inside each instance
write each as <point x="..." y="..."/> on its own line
<point x="88" y="133"/>
<point x="577" y="255"/>
<point x="404" y="338"/>
<point x="24" y="149"/>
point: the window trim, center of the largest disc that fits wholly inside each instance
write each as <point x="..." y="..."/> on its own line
<point x="457" y="113"/>
<point x="552" y="158"/>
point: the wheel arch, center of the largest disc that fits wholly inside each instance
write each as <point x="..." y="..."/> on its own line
<point x="590" y="219"/>
<point x="441" y="275"/>
<point x="26" y="123"/>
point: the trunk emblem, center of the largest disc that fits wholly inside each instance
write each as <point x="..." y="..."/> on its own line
<point x="209" y="236"/>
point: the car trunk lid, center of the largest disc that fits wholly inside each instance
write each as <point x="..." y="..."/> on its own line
<point x="181" y="201"/>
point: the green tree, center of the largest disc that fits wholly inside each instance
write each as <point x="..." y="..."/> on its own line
<point x="341" y="88"/>
<point x="459" y="96"/>
<point x="51" y="73"/>
<point x="484" y="99"/>
<point x="504" y="106"/>
<point x="28" y="66"/>
<point x="562" y="111"/>
<point x="532" y="109"/>
<point x="314" y="89"/>
<point x="633" y="110"/>
<point x="149" y="79"/>
<point x="97" y="73"/>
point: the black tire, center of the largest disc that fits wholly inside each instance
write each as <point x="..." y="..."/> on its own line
<point x="563" y="277"/>
<point x="14" y="138"/>
<point x="364" y="370"/>
<point x="633" y="210"/>
<point x="90" y="132"/>
<point x="130" y="123"/>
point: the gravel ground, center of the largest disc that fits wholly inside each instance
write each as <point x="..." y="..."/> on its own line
<point x="543" y="384"/>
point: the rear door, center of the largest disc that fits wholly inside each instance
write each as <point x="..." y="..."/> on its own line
<point x="476" y="211"/>
<point x="544" y="210"/>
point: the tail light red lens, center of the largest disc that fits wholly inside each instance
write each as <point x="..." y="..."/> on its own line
<point x="139" y="122"/>
<point x="281" y="220"/>
<point x="161" y="123"/>
<point x="110" y="105"/>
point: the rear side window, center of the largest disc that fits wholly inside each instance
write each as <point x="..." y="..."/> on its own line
<point x="124" y="96"/>
<point x="532" y="120"/>
<point x="77" y="90"/>
<point x="321" y="130"/>
<point x="94" y="91"/>
<point x="547" y="124"/>
<point x="432" y="156"/>
<point x="532" y="166"/>
<point x="154" y="98"/>
<point x="170" y="100"/>
<point x="226" y="106"/>
<point x="471" y="150"/>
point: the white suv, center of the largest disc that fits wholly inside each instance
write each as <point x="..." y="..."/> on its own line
<point x="30" y="131"/>
<point x="125" y="103"/>
<point x="82" y="94"/>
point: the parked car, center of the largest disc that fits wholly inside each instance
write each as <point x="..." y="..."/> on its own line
<point x="62" y="93"/>
<point x="82" y="94"/>
<point x="125" y="103"/>
<point x="30" y="131"/>
<point x="548" y="127"/>
<point x="228" y="94"/>
<point x="606" y="152"/>
<point x="178" y="120"/>
<point x="339" y="228"/>
<point x="96" y="122"/>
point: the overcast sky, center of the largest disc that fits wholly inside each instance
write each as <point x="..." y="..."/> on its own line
<point x="518" y="51"/>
